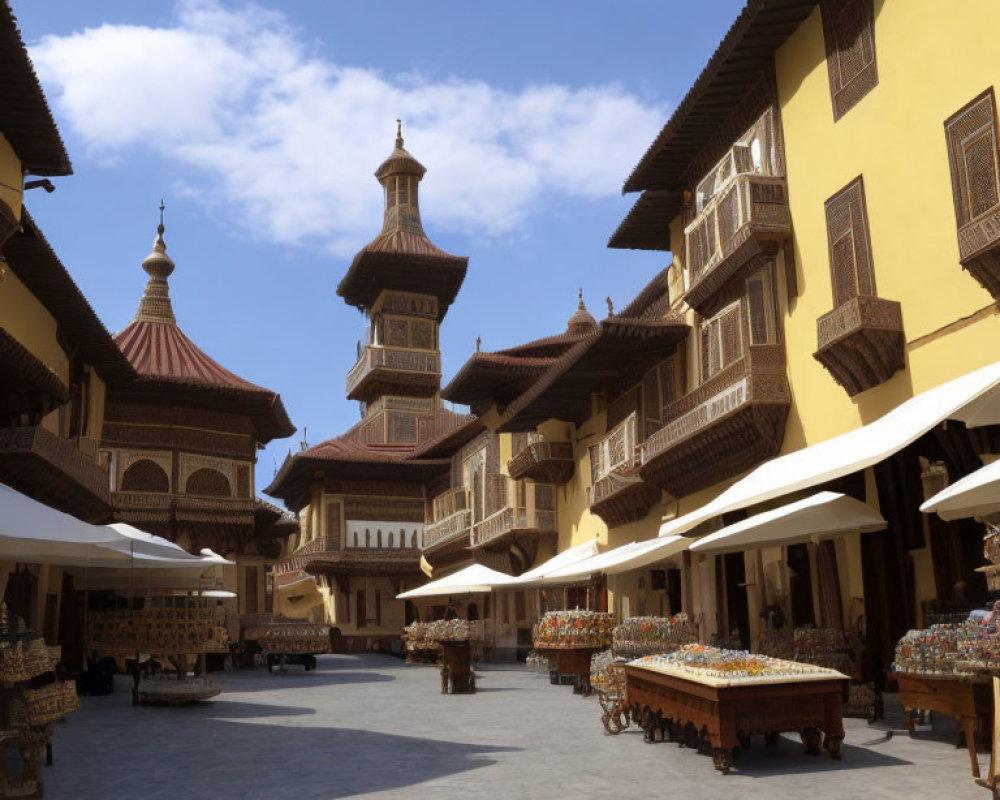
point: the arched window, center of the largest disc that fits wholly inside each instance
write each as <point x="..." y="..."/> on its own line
<point x="208" y="482"/>
<point x="402" y="537"/>
<point x="145" y="476"/>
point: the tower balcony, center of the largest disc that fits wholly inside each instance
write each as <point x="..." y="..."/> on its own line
<point x="401" y="370"/>
<point x="725" y="426"/>
<point x="620" y="496"/>
<point x="861" y="342"/>
<point x="543" y="461"/>
<point x="748" y="217"/>
<point x="511" y="513"/>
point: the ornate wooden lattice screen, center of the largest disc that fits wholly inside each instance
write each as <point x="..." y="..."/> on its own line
<point x="721" y="340"/>
<point x="849" y="32"/>
<point x="760" y="308"/>
<point x="208" y="482"/>
<point x="333" y="524"/>
<point x="145" y="476"/>
<point x="851" y="268"/>
<point x="972" y="154"/>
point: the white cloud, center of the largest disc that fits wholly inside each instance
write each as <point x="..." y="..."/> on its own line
<point x="290" y="140"/>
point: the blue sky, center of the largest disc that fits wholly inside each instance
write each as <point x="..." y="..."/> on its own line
<point x="261" y="125"/>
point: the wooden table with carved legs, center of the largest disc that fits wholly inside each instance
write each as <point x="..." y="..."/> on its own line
<point x="667" y="706"/>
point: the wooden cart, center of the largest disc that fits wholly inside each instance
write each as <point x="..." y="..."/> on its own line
<point x="728" y="714"/>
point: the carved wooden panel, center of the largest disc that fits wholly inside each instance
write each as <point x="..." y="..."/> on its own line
<point x="849" y="33"/>
<point x="145" y="475"/>
<point x="975" y="180"/>
<point x="851" y="268"/>
<point x="208" y="482"/>
<point x="243" y="485"/>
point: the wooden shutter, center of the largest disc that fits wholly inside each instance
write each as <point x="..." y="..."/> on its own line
<point x="851" y="268"/>
<point x="760" y="306"/>
<point x="849" y="33"/>
<point x="333" y="525"/>
<point x="972" y="154"/>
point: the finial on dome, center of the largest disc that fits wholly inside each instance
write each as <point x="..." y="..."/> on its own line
<point x="579" y="294"/>
<point x="155" y="303"/>
<point x="582" y="321"/>
<point x="399" y="134"/>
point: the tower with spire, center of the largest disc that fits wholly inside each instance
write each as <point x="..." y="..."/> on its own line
<point x="181" y="440"/>
<point x="404" y="284"/>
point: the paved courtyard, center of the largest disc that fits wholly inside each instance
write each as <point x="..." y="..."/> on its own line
<point x="370" y="726"/>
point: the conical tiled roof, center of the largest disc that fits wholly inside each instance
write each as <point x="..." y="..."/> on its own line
<point x="582" y="322"/>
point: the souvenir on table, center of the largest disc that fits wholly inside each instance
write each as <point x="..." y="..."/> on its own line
<point x="966" y="650"/>
<point x="717" y="666"/>
<point x="641" y="636"/>
<point x="573" y="629"/>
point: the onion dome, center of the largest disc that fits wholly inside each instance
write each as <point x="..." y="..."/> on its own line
<point x="155" y="303"/>
<point x="582" y="322"/>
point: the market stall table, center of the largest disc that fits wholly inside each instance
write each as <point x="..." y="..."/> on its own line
<point x="728" y="711"/>
<point x="572" y="663"/>
<point x="456" y="667"/>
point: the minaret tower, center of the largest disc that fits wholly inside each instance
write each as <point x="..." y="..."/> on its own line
<point x="405" y="285"/>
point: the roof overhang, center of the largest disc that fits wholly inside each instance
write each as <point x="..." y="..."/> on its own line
<point x="647" y="224"/>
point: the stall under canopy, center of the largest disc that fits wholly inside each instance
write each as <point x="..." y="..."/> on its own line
<point x="820" y="516"/>
<point x="473" y="579"/>
<point x="973" y="399"/>
<point x="977" y="494"/>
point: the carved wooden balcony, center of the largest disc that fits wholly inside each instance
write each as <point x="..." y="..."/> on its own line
<point x="545" y="462"/>
<point x="979" y="250"/>
<point x="325" y="555"/>
<point x="861" y="342"/>
<point x="747" y="218"/>
<point x="730" y="423"/>
<point x="145" y="508"/>
<point x="399" y="369"/>
<point x="450" y="532"/>
<point x="508" y="516"/>
<point x="53" y="470"/>
<point x="620" y="495"/>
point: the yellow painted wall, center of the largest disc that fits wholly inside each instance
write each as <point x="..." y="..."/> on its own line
<point x="28" y="321"/>
<point x="11" y="181"/>
<point x="930" y="64"/>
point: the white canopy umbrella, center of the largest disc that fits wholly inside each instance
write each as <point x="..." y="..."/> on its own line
<point x="34" y="532"/>
<point x="977" y="494"/>
<point x="973" y="398"/>
<point x="820" y="516"/>
<point x="619" y="559"/>
<point x="561" y="560"/>
<point x="156" y="552"/>
<point x="473" y="579"/>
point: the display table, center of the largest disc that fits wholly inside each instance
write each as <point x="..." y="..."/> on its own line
<point x="968" y="701"/>
<point x="573" y="662"/>
<point x="728" y="713"/>
<point x="456" y="667"/>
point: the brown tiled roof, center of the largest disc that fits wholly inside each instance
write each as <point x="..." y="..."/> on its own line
<point x="563" y="392"/>
<point x="494" y="377"/>
<point x="25" y="118"/>
<point x="161" y="350"/>
<point x="548" y="346"/>
<point x="747" y="50"/>
<point x="32" y="259"/>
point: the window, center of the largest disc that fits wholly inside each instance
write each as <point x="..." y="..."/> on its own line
<point x="760" y="308"/>
<point x="753" y="152"/>
<point x="721" y="340"/>
<point x="617" y="449"/>
<point x="250" y="591"/>
<point x="849" y="32"/>
<point x="406" y="332"/>
<point x="851" y="269"/>
<point x="972" y="154"/>
<point x="658" y="391"/>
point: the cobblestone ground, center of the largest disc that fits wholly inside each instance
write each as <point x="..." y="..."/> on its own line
<point x="370" y="726"/>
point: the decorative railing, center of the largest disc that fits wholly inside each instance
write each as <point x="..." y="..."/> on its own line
<point x="449" y="502"/>
<point x="747" y="216"/>
<point x="979" y="249"/>
<point x="507" y="511"/>
<point x="60" y="454"/>
<point x="617" y="450"/>
<point x="455" y="526"/>
<point x="396" y="359"/>
<point x="745" y="403"/>
<point x="301" y="556"/>
<point x="550" y="462"/>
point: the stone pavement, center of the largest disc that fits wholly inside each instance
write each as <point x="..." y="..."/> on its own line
<point x="370" y="726"/>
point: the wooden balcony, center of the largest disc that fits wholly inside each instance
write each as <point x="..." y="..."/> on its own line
<point x="619" y="495"/>
<point x="398" y="369"/>
<point x="747" y="219"/>
<point x="326" y="556"/>
<point x="861" y="342"/>
<point x="730" y="423"/>
<point x="161" y="508"/>
<point x="452" y="531"/>
<point x="54" y="471"/>
<point x="545" y="462"/>
<point x="979" y="250"/>
<point x="509" y="514"/>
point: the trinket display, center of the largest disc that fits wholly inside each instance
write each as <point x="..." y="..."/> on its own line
<point x="574" y="629"/>
<point x="184" y="626"/>
<point x="642" y="636"/>
<point x="966" y="650"/>
<point x="289" y="636"/>
<point x="719" y="667"/>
